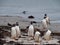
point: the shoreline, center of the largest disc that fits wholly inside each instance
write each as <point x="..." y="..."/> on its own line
<point x="23" y="23"/>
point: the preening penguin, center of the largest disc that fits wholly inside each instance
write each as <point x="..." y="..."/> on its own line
<point x="47" y="35"/>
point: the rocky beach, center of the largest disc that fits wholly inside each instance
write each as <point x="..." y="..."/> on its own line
<point x="23" y="23"/>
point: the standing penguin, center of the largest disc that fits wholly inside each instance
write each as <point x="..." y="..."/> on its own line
<point x="47" y="19"/>
<point x="44" y="23"/>
<point x="18" y="32"/>
<point x="31" y="30"/>
<point x="47" y="35"/>
<point x="13" y="32"/>
<point x="37" y="36"/>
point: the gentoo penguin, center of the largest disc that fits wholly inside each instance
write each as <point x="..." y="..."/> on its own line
<point x="37" y="36"/>
<point x="44" y="23"/>
<point x="47" y="19"/>
<point x="31" y="30"/>
<point x="18" y="32"/>
<point x="13" y="32"/>
<point x="47" y="35"/>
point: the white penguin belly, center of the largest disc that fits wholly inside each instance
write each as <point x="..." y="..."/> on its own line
<point x="31" y="31"/>
<point x="13" y="32"/>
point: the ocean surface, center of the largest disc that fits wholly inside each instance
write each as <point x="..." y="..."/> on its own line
<point x="54" y="14"/>
<point x="36" y="8"/>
